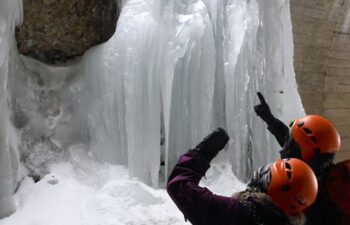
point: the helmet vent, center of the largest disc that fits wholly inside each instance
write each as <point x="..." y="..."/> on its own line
<point x="288" y="166"/>
<point x="285" y="188"/>
<point x="314" y="139"/>
<point x="288" y="169"/>
<point x="300" y="124"/>
<point x="308" y="131"/>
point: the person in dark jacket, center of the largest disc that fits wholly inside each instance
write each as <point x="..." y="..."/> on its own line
<point x="314" y="140"/>
<point x="289" y="187"/>
<point x="337" y="187"/>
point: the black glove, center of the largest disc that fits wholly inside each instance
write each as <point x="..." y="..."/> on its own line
<point x="212" y="144"/>
<point x="263" y="110"/>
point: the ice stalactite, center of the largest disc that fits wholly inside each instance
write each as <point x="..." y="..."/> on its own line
<point x="257" y="57"/>
<point x="188" y="77"/>
<point x="6" y="185"/>
<point x="10" y="15"/>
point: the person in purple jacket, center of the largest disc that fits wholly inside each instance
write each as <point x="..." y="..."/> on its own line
<point x="289" y="186"/>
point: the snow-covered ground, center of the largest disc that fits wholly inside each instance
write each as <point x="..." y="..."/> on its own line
<point x="83" y="192"/>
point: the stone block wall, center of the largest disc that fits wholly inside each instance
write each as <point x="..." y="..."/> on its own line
<point x="322" y="61"/>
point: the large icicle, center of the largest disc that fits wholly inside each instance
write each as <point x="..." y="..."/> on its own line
<point x="188" y="82"/>
<point x="7" y="204"/>
<point x="142" y="91"/>
<point x="123" y="110"/>
<point x="239" y="71"/>
<point x="256" y="60"/>
<point x="10" y="15"/>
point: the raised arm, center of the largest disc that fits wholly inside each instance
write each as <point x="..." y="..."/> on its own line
<point x="274" y="125"/>
<point x="198" y="204"/>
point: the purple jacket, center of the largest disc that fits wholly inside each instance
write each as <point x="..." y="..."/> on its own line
<point x="199" y="205"/>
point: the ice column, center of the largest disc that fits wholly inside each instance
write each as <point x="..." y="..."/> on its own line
<point x="188" y="77"/>
<point x="142" y="92"/>
<point x="258" y="57"/>
<point x="123" y="91"/>
<point x="10" y="15"/>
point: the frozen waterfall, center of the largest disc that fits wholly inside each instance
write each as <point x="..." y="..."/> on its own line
<point x="172" y="72"/>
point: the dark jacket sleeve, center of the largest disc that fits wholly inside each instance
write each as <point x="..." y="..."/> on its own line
<point x="323" y="211"/>
<point x="279" y="130"/>
<point x="198" y="204"/>
<point x="345" y="220"/>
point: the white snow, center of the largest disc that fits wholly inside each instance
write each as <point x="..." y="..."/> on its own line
<point x="83" y="192"/>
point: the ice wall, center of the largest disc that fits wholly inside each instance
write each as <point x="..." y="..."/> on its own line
<point x="172" y="72"/>
<point x="159" y="64"/>
<point x="346" y="24"/>
<point x="191" y="66"/>
<point x="10" y="15"/>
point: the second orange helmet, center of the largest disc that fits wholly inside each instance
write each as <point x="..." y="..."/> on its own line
<point x="315" y="134"/>
<point x="293" y="186"/>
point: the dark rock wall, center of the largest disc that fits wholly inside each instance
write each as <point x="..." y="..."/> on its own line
<point x="57" y="30"/>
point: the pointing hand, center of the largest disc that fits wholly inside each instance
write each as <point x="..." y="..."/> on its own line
<point x="263" y="109"/>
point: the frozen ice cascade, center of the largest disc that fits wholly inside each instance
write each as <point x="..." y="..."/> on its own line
<point x="172" y="72"/>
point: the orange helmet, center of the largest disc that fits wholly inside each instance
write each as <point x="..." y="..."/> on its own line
<point x="293" y="186"/>
<point x="338" y="185"/>
<point x="315" y="134"/>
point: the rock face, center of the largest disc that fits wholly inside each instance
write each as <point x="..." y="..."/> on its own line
<point x="56" y="30"/>
<point x="321" y="32"/>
